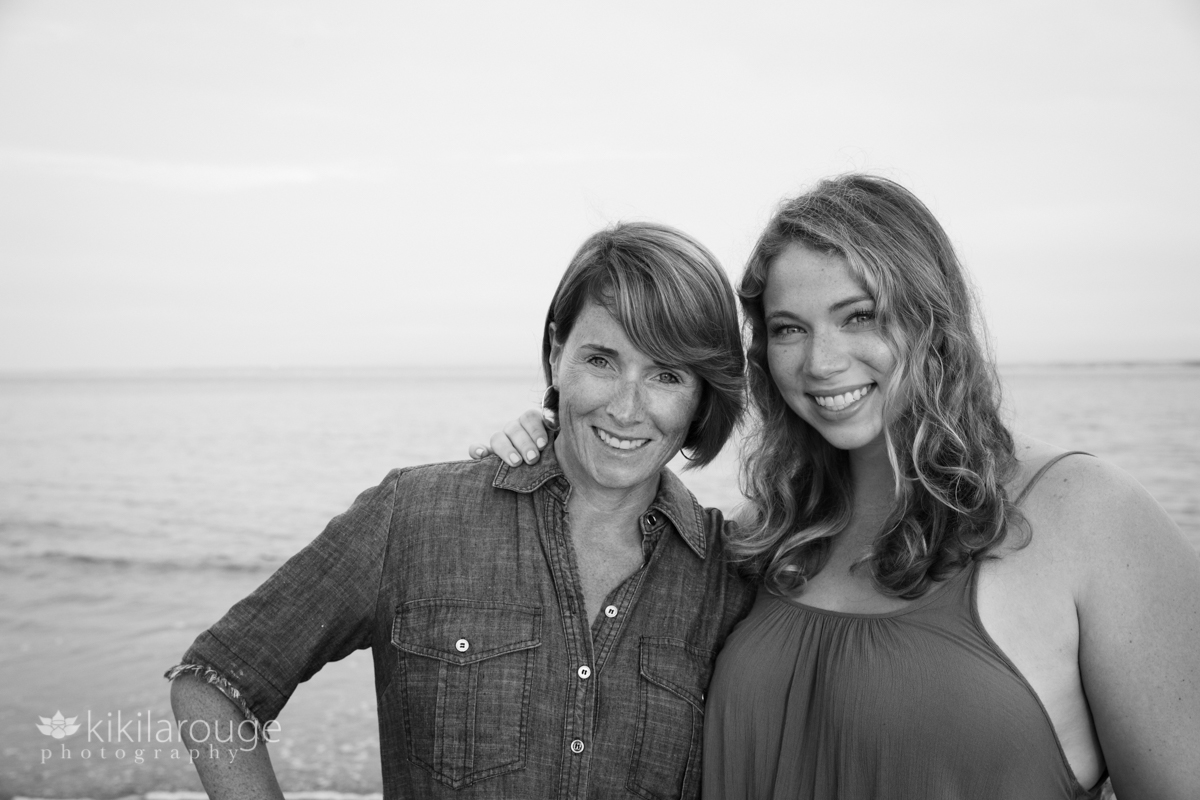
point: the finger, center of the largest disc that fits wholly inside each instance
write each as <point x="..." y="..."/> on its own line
<point x="522" y="442"/>
<point x="534" y="427"/>
<point x="478" y="451"/>
<point x="502" y="446"/>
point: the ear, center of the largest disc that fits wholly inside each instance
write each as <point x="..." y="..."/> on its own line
<point x="556" y="348"/>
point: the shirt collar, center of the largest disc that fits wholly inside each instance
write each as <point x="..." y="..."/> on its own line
<point x="674" y="500"/>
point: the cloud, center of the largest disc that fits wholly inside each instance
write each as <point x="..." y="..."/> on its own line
<point x="184" y="176"/>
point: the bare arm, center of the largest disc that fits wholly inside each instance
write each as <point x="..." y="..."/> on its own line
<point x="237" y="769"/>
<point x="523" y="438"/>
<point x="1139" y="650"/>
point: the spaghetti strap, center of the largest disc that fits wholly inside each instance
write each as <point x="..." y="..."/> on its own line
<point x="1037" y="476"/>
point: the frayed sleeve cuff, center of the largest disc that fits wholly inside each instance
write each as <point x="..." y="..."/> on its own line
<point x="215" y="678"/>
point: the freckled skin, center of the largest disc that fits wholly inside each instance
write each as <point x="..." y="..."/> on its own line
<point x="605" y="383"/>
<point x="823" y="339"/>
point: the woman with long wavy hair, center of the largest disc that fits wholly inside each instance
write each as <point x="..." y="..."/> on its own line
<point x="947" y="610"/>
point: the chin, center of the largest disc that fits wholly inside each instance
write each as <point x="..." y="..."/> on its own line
<point x="852" y="433"/>
<point x="625" y="474"/>
<point x="853" y="440"/>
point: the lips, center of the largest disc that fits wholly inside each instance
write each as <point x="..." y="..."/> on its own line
<point x="617" y="443"/>
<point x="843" y="400"/>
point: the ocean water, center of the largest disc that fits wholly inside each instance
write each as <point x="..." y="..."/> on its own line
<point x="134" y="510"/>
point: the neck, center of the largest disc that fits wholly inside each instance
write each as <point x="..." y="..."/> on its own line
<point x="873" y="478"/>
<point x="873" y="482"/>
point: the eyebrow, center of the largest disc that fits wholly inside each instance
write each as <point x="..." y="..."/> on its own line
<point x="849" y="301"/>
<point x="599" y="348"/>
<point x="838" y="306"/>
<point x="608" y="351"/>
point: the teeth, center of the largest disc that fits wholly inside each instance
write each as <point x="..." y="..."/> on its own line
<point x="841" y="401"/>
<point x="623" y="444"/>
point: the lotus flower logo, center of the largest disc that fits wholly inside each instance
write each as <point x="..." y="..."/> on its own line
<point x="58" y="726"/>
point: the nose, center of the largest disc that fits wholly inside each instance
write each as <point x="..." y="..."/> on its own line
<point x="626" y="403"/>
<point x="826" y="355"/>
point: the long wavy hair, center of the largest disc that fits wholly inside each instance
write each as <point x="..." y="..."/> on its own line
<point x="950" y="452"/>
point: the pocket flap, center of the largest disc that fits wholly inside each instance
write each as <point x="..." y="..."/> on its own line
<point x="677" y="667"/>
<point x="465" y="631"/>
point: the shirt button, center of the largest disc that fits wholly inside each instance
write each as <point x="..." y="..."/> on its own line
<point x="462" y="645"/>
<point x="577" y="746"/>
<point x="610" y="612"/>
<point x="651" y="519"/>
<point x="585" y="672"/>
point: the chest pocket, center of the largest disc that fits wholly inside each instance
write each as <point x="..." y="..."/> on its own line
<point x="666" y="757"/>
<point x="465" y="675"/>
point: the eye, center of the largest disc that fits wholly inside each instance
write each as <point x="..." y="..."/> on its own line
<point x="670" y="378"/>
<point x="785" y="329"/>
<point x="598" y="361"/>
<point x="861" y="317"/>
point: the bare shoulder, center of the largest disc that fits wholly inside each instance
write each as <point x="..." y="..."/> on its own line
<point x="1077" y="481"/>
<point x="1091" y="512"/>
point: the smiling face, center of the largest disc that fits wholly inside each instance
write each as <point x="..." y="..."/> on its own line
<point x="826" y="353"/>
<point x="623" y="415"/>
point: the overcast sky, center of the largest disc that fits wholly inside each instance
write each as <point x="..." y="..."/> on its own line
<point x="246" y="184"/>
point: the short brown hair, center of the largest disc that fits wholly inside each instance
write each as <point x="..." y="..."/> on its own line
<point x="674" y="302"/>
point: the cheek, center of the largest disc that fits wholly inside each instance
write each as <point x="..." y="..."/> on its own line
<point x="675" y="414"/>
<point x="577" y="396"/>
<point x="879" y="357"/>
<point x="783" y="363"/>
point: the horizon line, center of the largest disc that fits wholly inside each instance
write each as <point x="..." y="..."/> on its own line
<point x="447" y="370"/>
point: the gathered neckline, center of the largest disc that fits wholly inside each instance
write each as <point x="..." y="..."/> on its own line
<point x="921" y="602"/>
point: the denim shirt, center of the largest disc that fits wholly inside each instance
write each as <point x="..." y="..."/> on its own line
<point x="490" y="681"/>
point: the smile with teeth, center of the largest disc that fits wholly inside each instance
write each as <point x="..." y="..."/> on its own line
<point x="840" y="402"/>
<point x="620" y="444"/>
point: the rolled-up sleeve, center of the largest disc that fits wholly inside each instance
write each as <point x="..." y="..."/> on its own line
<point x="318" y="607"/>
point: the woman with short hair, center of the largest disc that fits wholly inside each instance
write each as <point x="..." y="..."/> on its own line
<point x="543" y="632"/>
